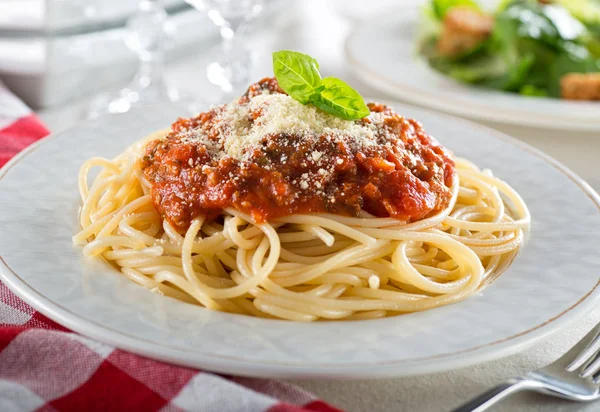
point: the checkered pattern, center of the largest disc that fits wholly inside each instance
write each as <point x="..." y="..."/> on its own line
<point x="45" y="367"/>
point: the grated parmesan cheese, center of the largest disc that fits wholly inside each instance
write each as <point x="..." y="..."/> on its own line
<point x="242" y="127"/>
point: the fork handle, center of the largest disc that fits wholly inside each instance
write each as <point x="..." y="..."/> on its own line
<point x="487" y="399"/>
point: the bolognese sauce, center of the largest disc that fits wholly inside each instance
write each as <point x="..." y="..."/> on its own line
<point x="269" y="156"/>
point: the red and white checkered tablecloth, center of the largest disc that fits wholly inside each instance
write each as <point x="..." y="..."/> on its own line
<point x="45" y="367"/>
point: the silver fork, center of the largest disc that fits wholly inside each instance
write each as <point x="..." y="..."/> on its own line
<point x="575" y="376"/>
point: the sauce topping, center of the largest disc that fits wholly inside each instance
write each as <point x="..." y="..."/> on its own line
<point x="270" y="156"/>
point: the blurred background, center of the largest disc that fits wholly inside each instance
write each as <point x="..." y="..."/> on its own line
<point x="58" y="52"/>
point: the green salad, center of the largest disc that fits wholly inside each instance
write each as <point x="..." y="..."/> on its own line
<point x="534" y="48"/>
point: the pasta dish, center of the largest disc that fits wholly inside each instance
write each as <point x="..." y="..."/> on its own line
<point x="273" y="208"/>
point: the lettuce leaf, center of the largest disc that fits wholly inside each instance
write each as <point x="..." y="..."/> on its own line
<point x="441" y="7"/>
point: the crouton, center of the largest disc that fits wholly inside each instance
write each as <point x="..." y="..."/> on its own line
<point x="580" y="86"/>
<point x="464" y="28"/>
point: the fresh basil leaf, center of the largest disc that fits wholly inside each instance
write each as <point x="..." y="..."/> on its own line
<point x="297" y="74"/>
<point x="339" y="99"/>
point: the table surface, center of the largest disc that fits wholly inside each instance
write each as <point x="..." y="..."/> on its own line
<point x="319" y="29"/>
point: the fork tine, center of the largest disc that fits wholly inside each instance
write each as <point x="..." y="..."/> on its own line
<point x="592" y="368"/>
<point x="591" y="349"/>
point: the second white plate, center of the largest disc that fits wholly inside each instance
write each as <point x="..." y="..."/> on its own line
<point x="382" y="53"/>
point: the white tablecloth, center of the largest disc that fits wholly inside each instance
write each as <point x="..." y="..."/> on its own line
<point x="319" y="28"/>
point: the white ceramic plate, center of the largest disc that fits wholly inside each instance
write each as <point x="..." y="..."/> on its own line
<point x="382" y="52"/>
<point x="553" y="281"/>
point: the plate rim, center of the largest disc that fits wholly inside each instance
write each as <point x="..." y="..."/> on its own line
<point x="239" y="366"/>
<point x="412" y="95"/>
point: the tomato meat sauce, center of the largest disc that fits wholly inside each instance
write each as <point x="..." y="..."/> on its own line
<point x="402" y="172"/>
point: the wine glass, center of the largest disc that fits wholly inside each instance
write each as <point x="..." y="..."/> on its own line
<point x="147" y="37"/>
<point x="230" y="63"/>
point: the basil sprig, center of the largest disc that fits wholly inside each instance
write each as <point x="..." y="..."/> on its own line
<point x="298" y="75"/>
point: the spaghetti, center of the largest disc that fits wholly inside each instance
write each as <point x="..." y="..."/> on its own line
<point x="301" y="266"/>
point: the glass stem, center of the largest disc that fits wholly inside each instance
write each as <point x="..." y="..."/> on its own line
<point x="149" y="47"/>
<point x="227" y="42"/>
<point x="150" y="71"/>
